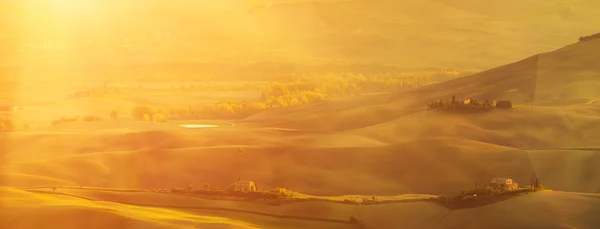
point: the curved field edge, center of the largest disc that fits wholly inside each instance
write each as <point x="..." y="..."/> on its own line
<point x="413" y="213"/>
<point x="199" y="208"/>
<point x="459" y="201"/>
<point x="297" y="197"/>
<point x="17" y="204"/>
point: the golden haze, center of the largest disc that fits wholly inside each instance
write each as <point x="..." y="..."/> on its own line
<point x="116" y="114"/>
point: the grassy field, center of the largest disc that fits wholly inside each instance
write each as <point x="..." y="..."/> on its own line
<point x="327" y="139"/>
<point x="176" y="211"/>
<point x="384" y="144"/>
<point x="61" y="209"/>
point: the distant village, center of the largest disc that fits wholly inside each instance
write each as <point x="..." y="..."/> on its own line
<point x="455" y="103"/>
<point x="248" y="190"/>
<point x="241" y="188"/>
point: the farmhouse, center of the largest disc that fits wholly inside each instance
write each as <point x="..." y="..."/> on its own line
<point x="243" y="186"/>
<point x="503" y="183"/>
<point x="504" y="104"/>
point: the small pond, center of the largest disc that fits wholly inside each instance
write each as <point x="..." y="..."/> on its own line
<point x="196" y="126"/>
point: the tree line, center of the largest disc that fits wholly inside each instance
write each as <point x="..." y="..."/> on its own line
<point x="85" y="118"/>
<point x="590" y="37"/>
<point x="305" y="89"/>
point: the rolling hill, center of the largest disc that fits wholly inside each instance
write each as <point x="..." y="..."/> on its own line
<point x="150" y="210"/>
<point x="567" y="76"/>
<point x="21" y="209"/>
<point x="378" y="144"/>
<point x="389" y="143"/>
<point x="564" y="118"/>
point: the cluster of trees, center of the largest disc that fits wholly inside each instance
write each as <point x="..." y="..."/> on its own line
<point x="9" y="126"/>
<point x="6" y="126"/>
<point x="228" y="193"/>
<point x="335" y="85"/>
<point x="590" y="37"/>
<point x="223" y="110"/>
<point x="460" y="103"/>
<point x="148" y="113"/>
<point x="209" y="190"/>
<point x="86" y="118"/>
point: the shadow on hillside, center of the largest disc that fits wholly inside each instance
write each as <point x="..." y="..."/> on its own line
<point x="351" y="221"/>
<point x="466" y="111"/>
<point x="479" y="197"/>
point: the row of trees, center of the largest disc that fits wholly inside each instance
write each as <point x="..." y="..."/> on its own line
<point x="590" y="37"/>
<point x="344" y="83"/>
<point x="86" y="118"/>
<point x="9" y="126"/>
<point x="146" y="113"/>
<point x="306" y="89"/>
<point x="336" y="85"/>
<point x="225" y="110"/>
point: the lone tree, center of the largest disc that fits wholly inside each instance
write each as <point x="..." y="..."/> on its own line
<point x="3" y="127"/>
<point x="114" y="114"/>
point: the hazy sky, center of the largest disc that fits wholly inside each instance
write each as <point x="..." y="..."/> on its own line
<point x="406" y="33"/>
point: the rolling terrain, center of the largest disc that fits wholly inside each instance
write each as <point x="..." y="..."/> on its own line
<point x="152" y="210"/>
<point x="384" y="144"/>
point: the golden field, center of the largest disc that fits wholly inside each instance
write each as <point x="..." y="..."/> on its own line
<point x="332" y="127"/>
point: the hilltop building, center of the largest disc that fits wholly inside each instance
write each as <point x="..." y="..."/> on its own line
<point x="243" y="186"/>
<point x="504" y="104"/>
<point x="503" y="183"/>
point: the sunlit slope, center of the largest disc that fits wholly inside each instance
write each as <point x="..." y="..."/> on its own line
<point x="552" y="210"/>
<point x="515" y="9"/>
<point x="406" y="33"/>
<point x="570" y="74"/>
<point x="386" y="169"/>
<point x="539" y="210"/>
<point x="167" y="159"/>
<point x="20" y="209"/>
<point x="409" y="213"/>
<point x="465" y="148"/>
<point x="515" y="81"/>
<point x="529" y="127"/>
<point x="548" y="123"/>
<point x="562" y="77"/>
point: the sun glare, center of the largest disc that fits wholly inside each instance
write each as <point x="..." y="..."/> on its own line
<point x="73" y="6"/>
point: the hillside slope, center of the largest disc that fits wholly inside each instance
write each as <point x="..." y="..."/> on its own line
<point x="545" y="210"/>
<point x="570" y="74"/>
<point x="565" y="76"/>
<point x="565" y="118"/>
<point x="20" y="209"/>
<point x="403" y="160"/>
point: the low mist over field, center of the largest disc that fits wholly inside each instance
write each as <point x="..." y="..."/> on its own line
<point x="299" y="114"/>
